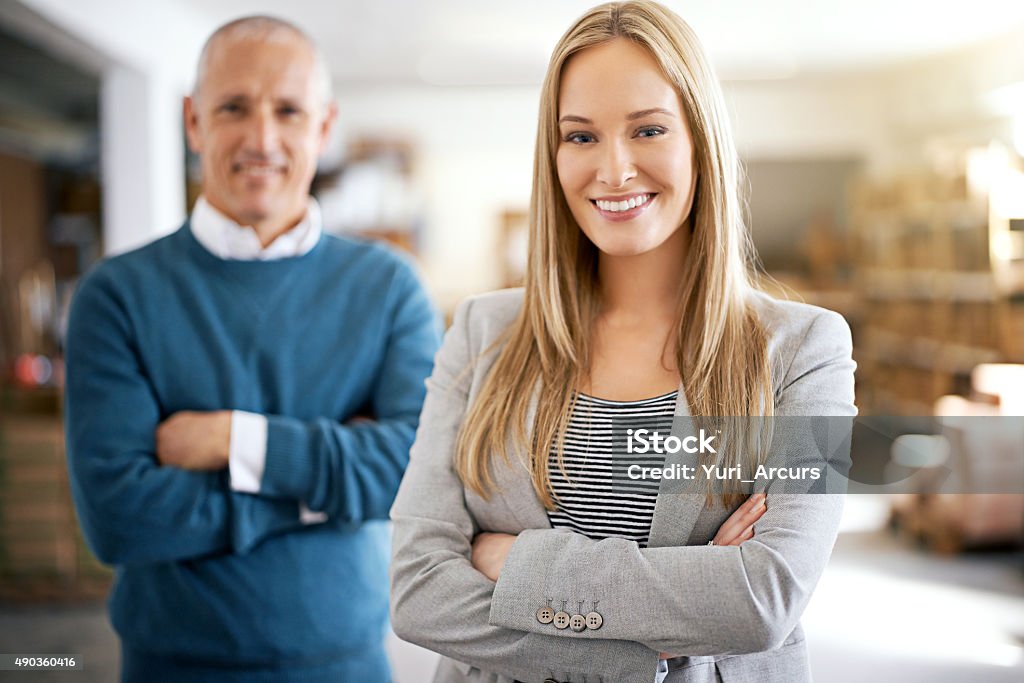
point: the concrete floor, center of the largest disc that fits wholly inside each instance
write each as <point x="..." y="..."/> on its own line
<point x="882" y="612"/>
<point x="885" y="611"/>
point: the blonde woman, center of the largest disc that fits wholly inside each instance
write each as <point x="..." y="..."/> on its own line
<point x="514" y="555"/>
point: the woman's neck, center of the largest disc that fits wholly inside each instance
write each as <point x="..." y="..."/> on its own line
<point x="633" y="342"/>
<point x="646" y="287"/>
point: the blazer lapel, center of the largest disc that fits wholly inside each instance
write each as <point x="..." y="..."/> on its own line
<point x="675" y="513"/>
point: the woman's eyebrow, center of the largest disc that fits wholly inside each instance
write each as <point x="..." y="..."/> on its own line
<point x="571" y="118"/>
<point x="647" y="112"/>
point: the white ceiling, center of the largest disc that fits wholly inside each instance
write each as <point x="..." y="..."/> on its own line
<point x="490" y="42"/>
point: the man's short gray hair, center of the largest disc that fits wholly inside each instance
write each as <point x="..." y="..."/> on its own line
<point x="269" y="29"/>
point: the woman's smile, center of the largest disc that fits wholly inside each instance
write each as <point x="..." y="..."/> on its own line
<point x="623" y="209"/>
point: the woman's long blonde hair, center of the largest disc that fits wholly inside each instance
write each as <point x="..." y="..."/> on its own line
<point x="721" y="350"/>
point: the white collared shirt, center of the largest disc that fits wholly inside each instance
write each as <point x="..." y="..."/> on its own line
<point x="226" y="239"/>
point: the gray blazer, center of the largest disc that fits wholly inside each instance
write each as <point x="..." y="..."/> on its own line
<point x="733" y="611"/>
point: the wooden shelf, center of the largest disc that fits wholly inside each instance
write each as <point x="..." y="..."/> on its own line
<point x="933" y="306"/>
<point x="42" y="553"/>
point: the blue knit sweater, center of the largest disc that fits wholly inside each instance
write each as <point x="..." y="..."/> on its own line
<point x="212" y="579"/>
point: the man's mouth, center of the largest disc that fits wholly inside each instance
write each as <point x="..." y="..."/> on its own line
<point x="258" y="169"/>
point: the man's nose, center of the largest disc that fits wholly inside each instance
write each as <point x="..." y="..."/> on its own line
<point x="616" y="165"/>
<point x="263" y="133"/>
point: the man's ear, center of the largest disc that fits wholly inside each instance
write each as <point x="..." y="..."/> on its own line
<point x="327" y="126"/>
<point x="191" y="119"/>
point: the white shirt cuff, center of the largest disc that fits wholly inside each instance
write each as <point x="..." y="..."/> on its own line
<point x="247" y="451"/>
<point x="308" y="516"/>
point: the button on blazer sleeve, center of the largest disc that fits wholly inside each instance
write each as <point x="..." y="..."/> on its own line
<point x="438" y="600"/>
<point x="700" y="600"/>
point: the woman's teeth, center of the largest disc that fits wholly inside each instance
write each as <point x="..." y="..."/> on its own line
<point x="624" y="205"/>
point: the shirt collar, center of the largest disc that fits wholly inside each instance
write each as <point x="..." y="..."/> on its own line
<point x="226" y="239"/>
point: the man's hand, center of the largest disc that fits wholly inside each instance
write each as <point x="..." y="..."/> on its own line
<point x="489" y="553"/>
<point x="194" y="441"/>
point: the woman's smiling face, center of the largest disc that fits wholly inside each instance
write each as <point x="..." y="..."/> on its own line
<point x="625" y="156"/>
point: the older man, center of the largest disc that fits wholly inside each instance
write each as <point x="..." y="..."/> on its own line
<point x="215" y="377"/>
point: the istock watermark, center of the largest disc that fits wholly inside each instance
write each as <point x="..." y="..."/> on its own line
<point x="762" y="473"/>
<point x="651" y="441"/>
<point x="823" y="454"/>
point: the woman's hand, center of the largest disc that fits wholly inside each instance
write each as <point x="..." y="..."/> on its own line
<point x="489" y="553"/>
<point x="738" y="528"/>
<point x="740" y="525"/>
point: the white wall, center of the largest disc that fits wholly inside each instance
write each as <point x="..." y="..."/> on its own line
<point x="141" y="157"/>
<point x="947" y="100"/>
<point x="475" y="159"/>
<point x="806" y="118"/>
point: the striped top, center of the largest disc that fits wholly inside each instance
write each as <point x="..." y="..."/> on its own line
<point x="587" y="502"/>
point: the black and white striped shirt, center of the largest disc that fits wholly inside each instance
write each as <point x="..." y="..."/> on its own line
<point x="588" y="502"/>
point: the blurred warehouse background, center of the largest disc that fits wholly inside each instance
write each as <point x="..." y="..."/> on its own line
<point x="883" y="144"/>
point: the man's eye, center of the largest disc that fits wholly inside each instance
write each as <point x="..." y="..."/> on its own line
<point x="579" y="138"/>
<point x="288" y="111"/>
<point x="230" y="108"/>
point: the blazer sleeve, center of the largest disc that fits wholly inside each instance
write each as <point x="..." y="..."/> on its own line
<point x="701" y="600"/>
<point x="438" y="600"/>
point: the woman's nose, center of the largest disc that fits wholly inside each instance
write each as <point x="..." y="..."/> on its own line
<point x="617" y="167"/>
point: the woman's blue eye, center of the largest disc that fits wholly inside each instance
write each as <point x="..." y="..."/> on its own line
<point x="650" y="132"/>
<point x="579" y="138"/>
